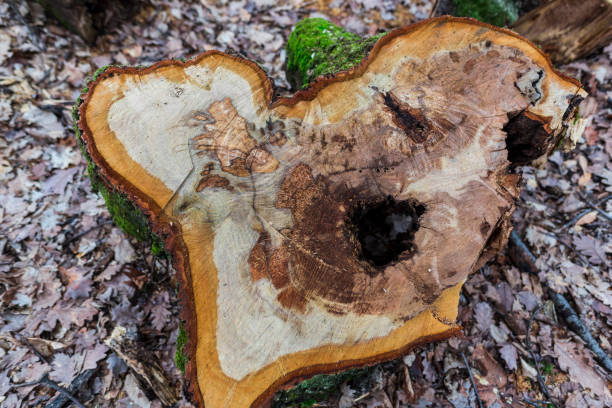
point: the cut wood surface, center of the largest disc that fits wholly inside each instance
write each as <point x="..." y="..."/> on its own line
<point x="568" y="29"/>
<point x="334" y="228"/>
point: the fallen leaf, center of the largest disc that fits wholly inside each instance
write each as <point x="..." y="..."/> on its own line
<point x="132" y="389"/>
<point x="528" y="370"/>
<point x="64" y="368"/>
<point x="46" y="347"/>
<point x="587" y="218"/>
<point x="579" y="365"/>
<point x="591" y="248"/>
<point x="510" y="356"/>
<point x="57" y="183"/>
<point x="45" y="121"/>
<point x="160" y="316"/>
<point x="92" y="356"/>
<point x="483" y="315"/>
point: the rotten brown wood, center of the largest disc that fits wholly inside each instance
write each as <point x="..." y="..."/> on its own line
<point x="335" y="228"/>
<point x="143" y="364"/>
<point x="568" y="29"/>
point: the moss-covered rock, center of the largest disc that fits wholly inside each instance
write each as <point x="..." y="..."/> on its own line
<point x="124" y="213"/>
<point x="319" y="47"/>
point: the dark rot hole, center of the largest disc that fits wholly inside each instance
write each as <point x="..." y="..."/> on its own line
<point x="385" y="229"/>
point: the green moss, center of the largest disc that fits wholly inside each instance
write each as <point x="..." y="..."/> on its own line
<point x="124" y="213"/>
<point x="180" y="359"/>
<point x="577" y="117"/>
<point x="318" y="388"/>
<point x="496" y="12"/>
<point x="319" y="47"/>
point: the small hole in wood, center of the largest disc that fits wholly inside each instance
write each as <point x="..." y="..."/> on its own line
<point x="385" y="229"/>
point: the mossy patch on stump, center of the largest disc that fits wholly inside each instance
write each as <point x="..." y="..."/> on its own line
<point x="180" y="358"/>
<point x="319" y="47"/>
<point x="495" y="12"/>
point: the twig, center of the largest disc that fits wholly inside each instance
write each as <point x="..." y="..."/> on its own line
<point x="535" y="403"/>
<point x="585" y="212"/>
<point x="541" y="382"/>
<point x="75" y="386"/>
<point x="87" y="231"/>
<point x="361" y="397"/>
<point x="564" y="309"/>
<point x="595" y="206"/>
<point x="25" y="341"/>
<point x="524" y="259"/>
<point x="480" y="404"/>
<point x="564" y="243"/>
<point x="44" y="380"/>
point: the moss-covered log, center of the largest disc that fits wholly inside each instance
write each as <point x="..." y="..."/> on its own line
<point x="274" y="211"/>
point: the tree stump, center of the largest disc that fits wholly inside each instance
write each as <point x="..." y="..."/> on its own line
<point x="334" y="228"/>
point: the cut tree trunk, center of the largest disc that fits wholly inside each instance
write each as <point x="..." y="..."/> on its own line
<point x="334" y="228"/>
<point x="568" y="29"/>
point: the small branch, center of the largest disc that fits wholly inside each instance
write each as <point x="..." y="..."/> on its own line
<point x="480" y="404"/>
<point x="536" y="403"/>
<point x="564" y="309"/>
<point x="74" y="388"/>
<point x="25" y="341"/>
<point x="44" y="380"/>
<point x="367" y="394"/>
<point x="87" y="231"/>
<point x="535" y="358"/>
<point x="595" y="206"/>
<point x="524" y="260"/>
<point x="564" y="243"/>
<point x="585" y="212"/>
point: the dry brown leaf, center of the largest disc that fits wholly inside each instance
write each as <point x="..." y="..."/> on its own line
<point x="578" y="363"/>
<point x="587" y="218"/>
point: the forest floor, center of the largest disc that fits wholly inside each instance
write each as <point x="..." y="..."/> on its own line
<point x="68" y="276"/>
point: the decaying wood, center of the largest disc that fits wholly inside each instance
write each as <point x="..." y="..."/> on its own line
<point x="275" y="210"/>
<point x="143" y="364"/>
<point x="568" y="29"/>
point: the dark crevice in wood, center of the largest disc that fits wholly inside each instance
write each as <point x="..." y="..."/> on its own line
<point x="385" y="229"/>
<point x="526" y="138"/>
<point x="408" y="119"/>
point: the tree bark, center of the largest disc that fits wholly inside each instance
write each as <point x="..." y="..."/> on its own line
<point x="335" y="228"/>
<point x="568" y="29"/>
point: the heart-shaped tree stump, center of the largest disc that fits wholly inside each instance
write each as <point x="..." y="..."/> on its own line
<point x="334" y="228"/>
